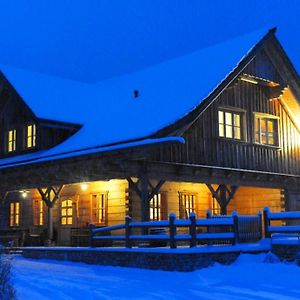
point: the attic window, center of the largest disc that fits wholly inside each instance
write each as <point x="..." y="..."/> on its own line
<point x="11" y="140"/>
<point x="30" y="134"/>
<point x="266" y="130"/>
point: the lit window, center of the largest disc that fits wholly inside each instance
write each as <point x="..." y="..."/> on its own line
<point x="38" y="212"/>
<point x="230" y="124"/>
<point x="14" y="213"/>
<point x="156" y="205"/>
<point x="187" y="204"/>
<point x="99" y="208"/>
<point x="266" y="130"/>
<point x="67" y="212"/>
<point x="30" y="136"/>
<point x="12" y="140"/>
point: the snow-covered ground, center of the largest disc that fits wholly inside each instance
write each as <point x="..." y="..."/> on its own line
<point x="250" y="277"/>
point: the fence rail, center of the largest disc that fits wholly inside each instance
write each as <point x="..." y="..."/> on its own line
<point x="212" y="229"/>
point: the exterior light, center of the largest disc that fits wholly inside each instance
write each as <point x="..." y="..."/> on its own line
<point x="250" y="80"/>
<point x="84" y="186"/>
<point x="24" y="194"/>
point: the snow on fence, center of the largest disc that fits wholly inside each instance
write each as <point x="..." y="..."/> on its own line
<point x="288" y="216"/>
<point x="207" y="232"/>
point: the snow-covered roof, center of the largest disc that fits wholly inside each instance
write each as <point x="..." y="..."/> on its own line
<point x="108" y="111"/>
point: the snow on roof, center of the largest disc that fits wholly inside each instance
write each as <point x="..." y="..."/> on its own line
<point x="108" y="110"/>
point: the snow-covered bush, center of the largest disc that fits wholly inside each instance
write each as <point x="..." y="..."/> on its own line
<point x="7" y="291"/>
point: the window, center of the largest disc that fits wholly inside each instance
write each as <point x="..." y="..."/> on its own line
<point x="230" y="124"/>
<point x="38" y="212"/>
<point x="14" y="213"/>
<point x="99" y="208"/>
<point x="67" y="212"/>
<point x="187" y="204"/>
<point x="266" y="130"/>
<point x="30" y="134"/>
<point x="156" y="207"/>
<point x="12" y="140"/>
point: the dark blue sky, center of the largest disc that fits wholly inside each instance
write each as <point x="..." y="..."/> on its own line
<point x="91" y="40"/>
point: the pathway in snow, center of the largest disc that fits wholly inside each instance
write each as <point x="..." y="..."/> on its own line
<point x="248" y="278"/>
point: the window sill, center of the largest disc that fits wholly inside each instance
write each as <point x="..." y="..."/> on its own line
<point x="268" y="146"/>
<point x="224" y="139"/>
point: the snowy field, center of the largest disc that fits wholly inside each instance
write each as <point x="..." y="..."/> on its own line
<point x="250" y="277"/>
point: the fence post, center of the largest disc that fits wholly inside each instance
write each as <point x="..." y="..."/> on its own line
<point x="208" y="216"/>
<point x="266" y="221"/>
<point x="259" y="215"/>
<point x="127" y="232"/>
<point x="172" y="231"/>
<point x="91" y="227"/>
<point x="235" y="227"/>
<point x="193" y="232"/>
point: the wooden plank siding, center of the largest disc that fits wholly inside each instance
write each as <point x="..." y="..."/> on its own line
<point x="204" y="147"/>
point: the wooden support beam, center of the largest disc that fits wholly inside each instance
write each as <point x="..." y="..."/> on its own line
<point x="223" y="194"/>
<point x="50" y="195"/>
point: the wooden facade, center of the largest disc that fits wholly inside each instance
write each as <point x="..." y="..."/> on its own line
<point x="241" y="152"/>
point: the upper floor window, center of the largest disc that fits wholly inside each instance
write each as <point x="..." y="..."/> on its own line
<point x="99" y="208"/>
<point x="30" y="136"/>
<point x="14" y="213"/>
<point x="231" y="124"/>
<point x="11" y="140"/>
<point x="266" y="130"/>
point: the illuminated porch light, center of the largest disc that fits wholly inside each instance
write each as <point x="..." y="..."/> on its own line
<point x="250" y="80"/>
<point x="24" y="193"/>
<point x="84" y="186"/>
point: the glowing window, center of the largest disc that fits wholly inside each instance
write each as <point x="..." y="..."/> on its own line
<point x="99" y="208"/>
<point x="230" y="124"/>
<point x="30" y="136"/>
<point x="67" y="212"/>
<point x="266" y="130"/>
<point x="14" y="213"/>
<point x="38" y="212"/>
<point x="156" y="208"/>
<point x="12" y="140"/>
<point x="187" y="204"/>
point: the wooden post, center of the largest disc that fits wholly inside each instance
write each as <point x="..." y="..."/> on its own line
<point x="223" y="199"/>
<point x="91" y="227"/>
<point x="50" y="223"/>
<point x="266" y="221"/>
<point x="172" y="231"/>
<point x="259" y="215"/>
<point x="145" y="202"/>
<point x="193" y="231"/>
<point x="127" y="232"/>
<point x="208" y="216"/>
<point x="235" y="227"/>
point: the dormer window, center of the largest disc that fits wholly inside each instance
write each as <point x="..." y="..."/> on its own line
<point x="11" y="140"/>
<point x="30" y="136"/>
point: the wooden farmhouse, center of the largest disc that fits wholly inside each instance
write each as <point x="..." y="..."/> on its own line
<point x="218" y="129"/>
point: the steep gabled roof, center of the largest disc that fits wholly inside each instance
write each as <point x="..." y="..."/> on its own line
<point x="108" y="110"/>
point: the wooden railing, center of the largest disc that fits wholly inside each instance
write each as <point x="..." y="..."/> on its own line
<point x="287" y="217"/>
<point x="194" y="235"/>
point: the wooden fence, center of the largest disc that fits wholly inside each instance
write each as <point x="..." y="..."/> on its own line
<point x="211" y="230"/>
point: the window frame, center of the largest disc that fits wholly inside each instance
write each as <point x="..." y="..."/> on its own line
<point x="38" y="212"/>
<point x="14" y="214"/>
<point x="242" y="117"/>
<point x="184" y="211"/>
<point x="32" y="138"/>
<point x="66" y="215"/>
<point x="157" y="207"/>
<point x="13" y="142"/>
<point x="94" y="213"/>
<point x="266" y="118"/>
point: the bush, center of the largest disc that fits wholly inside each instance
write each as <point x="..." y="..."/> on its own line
<point x="7" y="291"/>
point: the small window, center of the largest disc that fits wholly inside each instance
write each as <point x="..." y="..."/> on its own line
<point x="67" y="212"/>
<point x="38" y="212"/>
<point x="187" y="204"/>
<point x="12" y="140"/>
<point x="99" y="208"/>
<point x="230" y="124"/>
<point x="157" y="209"/>
<point x="14" y="213"/>
<point x="30" y="134"/>
<point x="266" y="130"/>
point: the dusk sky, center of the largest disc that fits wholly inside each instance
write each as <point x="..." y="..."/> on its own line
<point x="97" y="39"/>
